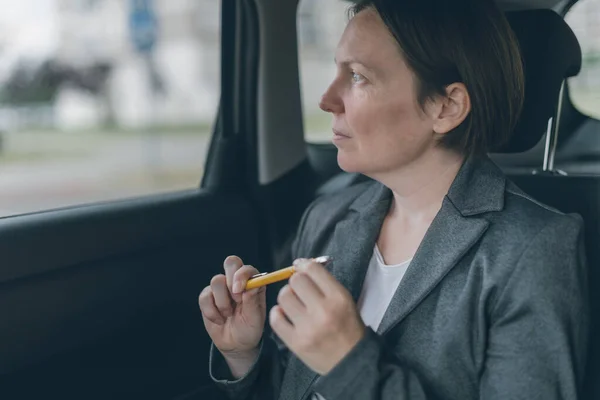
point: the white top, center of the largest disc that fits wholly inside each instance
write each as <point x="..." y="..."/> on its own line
<point x="379" y="287"/>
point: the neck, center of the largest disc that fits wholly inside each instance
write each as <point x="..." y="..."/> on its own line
<point x="419" y="188"/>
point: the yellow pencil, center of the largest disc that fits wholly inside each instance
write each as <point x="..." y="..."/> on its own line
<point x="267" y="278"/>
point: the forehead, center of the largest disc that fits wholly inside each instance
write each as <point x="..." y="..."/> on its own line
<point x="367" y="38"/>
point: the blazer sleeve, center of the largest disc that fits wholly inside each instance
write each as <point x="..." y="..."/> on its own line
<point x="537" y="337"/>
<point x="263" y="380"/>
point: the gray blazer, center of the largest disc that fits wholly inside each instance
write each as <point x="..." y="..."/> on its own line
<point x="493" y="305"/>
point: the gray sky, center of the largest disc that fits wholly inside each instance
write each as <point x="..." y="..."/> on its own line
<point x="27" y="28"/>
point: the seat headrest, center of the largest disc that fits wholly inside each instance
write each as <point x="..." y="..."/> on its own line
<point x="550" y="53"/>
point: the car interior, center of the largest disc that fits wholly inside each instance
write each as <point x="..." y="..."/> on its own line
<point x="100" y="301"/>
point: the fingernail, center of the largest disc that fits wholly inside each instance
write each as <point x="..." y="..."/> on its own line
<point x="229" y="263"/>
<point x="300" y="263"/>
<point x="237" y="287"/>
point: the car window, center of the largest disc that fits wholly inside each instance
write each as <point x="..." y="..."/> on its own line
<point x="585" y="87"/>
<point x="104" y="99"/>
<point x="320" y="25"/>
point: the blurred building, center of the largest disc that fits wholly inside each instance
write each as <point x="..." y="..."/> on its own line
<point x="186" y="57"/>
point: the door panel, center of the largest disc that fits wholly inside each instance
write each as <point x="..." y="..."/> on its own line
<point x="101" y="302"/>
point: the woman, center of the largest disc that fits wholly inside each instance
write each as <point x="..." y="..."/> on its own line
<point x="448" y="281"/>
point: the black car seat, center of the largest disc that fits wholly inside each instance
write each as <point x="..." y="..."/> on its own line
<point x="551" y="53"/>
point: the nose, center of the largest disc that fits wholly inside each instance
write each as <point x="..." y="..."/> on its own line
<point x="331" y="101"/>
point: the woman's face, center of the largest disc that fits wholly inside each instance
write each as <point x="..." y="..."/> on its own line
<point x="378" y="123"/>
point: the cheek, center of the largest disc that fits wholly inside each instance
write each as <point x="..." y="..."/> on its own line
<point x="386" y="133"/>
<point x="386" y="124"/>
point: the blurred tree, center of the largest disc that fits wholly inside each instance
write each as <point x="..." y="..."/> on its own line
<point x="40" y="84"/>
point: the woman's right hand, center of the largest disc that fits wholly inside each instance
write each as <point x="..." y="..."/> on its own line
<point x="234" y="319"/>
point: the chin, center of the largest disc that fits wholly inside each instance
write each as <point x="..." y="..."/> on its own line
<point x="365" y="166"/>
<point x="350" y="164"/>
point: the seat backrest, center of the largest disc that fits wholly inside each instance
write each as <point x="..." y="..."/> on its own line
<point x="551" y="54"/>
<point x="581" y="195"/>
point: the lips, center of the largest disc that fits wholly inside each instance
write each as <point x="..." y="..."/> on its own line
<point x="340" y="134"/>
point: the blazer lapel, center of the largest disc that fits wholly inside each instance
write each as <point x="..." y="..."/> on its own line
<point x="354" y="240"/>
<point x="351" y="246"/>
<point x="478" y="188"/>
<point x="448" y="239"/>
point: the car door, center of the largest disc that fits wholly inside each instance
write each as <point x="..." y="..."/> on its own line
<point x="98" y="292"/>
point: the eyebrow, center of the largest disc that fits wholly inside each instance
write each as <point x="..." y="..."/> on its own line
<point x="348" y="61"/>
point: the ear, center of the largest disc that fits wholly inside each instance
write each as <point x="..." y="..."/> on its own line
<point x="452" y="109"/>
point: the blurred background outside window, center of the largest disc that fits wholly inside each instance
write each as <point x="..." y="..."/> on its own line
<point x="583" y="18"/>
<point x="104" y="99"/>
<point x="320" y="26"/>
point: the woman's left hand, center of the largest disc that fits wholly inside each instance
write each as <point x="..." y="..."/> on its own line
<point x="316" y="317"/>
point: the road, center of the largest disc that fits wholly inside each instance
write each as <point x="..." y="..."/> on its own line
<point x="52" y="170"/>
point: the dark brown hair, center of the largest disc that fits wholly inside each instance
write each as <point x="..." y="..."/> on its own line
<point x="468" y="41"/>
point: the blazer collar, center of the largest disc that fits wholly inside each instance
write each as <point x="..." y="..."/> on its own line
<point x="478" y="188"/>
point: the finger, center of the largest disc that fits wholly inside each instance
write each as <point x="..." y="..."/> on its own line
<point x="218" y="284"/>
<point x="280" y="325"/>
<point x="241" y="277"/>
<point x="290" y="304"/>
<point x="326" y="283"/>
<point x="307" y="291"/>
<point x="208" y="307"/>
<point x="231" y="265"/>
<point x="255" y="296"/>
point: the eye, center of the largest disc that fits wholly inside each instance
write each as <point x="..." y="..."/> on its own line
<point x="357" y="78"/>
